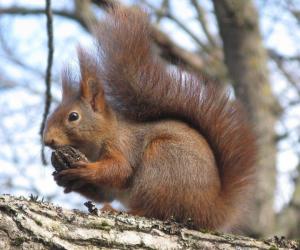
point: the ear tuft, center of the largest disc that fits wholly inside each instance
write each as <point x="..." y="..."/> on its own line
<point x="91" y="88"/>
<point x="69" y="86"/>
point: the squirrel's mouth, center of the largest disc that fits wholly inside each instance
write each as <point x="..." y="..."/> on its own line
<point x="57" y="146"/>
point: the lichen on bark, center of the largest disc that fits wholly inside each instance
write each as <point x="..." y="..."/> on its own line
<point x="31" y="224"/>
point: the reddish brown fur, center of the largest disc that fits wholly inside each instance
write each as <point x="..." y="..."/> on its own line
<point x="164" y="142"/>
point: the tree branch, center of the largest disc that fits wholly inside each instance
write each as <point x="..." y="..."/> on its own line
<point x="30" y="224"/>
<point x="48" y="96"/>
<point x="27" y="11"/>
<point x="279" y="61"/>
<point x="203" y="23"/>
<point x="170" y="50"/>
<point x="168" y="14"/>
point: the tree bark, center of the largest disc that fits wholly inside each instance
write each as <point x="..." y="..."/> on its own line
<point x="31" y="224"/>
<point x="246" y="61"/>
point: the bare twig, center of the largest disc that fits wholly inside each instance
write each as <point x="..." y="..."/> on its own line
<point x="171" y="51"/>
<point x="48" y="73"/>
<point x="165" y="7"/>
<point x="37" y="11"/>
<point x="180" y="24"/>
<point x="106" y="3"/>
<point x="279" y="61"/>
<point x="175" y="54"/>
<point x="203" y="23"/>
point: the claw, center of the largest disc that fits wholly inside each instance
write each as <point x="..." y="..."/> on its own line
<point x="74" y="178"/>
<point x="78" y="164"/>
<point x="67" y="190"/>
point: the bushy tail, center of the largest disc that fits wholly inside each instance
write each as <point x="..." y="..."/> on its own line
<point x="143" y="88"/>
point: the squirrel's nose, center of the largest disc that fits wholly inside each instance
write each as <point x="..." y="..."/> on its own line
<point x="51" y="138"/>
<point x="50" y="143"/>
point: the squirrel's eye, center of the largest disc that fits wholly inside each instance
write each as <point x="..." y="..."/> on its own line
<point x="73" y="116"/>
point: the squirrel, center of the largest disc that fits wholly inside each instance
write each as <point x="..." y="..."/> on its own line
<point x="164" y="142"/>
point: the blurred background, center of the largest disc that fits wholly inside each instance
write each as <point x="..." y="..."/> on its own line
<point x="251" y="46"/>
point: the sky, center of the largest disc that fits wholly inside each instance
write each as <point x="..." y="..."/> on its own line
<point x="27" y="40"/>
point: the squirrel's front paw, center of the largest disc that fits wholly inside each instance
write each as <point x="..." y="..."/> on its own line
<point x="78" y="175"/>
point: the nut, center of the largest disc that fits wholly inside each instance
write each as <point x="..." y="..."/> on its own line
<point x="63" y="157"/>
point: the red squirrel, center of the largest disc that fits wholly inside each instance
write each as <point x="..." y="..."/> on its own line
<point x="164" y="142"/>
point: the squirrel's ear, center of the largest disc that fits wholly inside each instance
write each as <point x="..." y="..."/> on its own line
<point x="92" y="91"/>
<point x="91" y="88"/>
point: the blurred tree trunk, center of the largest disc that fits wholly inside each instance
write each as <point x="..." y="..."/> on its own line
<point x="246" y="62"/>
<point x="289" y="218"/>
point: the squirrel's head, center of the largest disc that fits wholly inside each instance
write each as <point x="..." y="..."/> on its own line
<point x="83" y="119"/>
